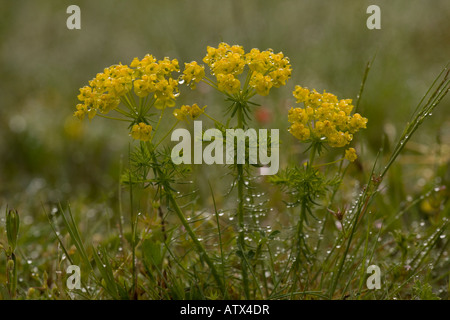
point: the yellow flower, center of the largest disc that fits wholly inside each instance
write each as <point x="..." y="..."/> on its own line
<point x="327" y="118"/>
<point x="266" y="68"/>
<point x="301" y="94"/>
<point x="182" y="113"/>
<point x="261" y="83"/>
<point x="193" y="73"/>
<point x="299" y="131"/>
<point x="82" y="110"/>
<point x="141" y="131"/>
<point x="228" y="83"/>
<point x="357" y="122"/>
<point x="280" y="76"/>
<point x="195" y="111"/>
<point x="350" y="154"/>
<point x="298" y="115"/>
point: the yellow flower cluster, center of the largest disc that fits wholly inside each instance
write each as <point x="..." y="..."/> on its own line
<point x="193" y="73"/>
<point x="155" y="77"/>
<point x="350" y="154"/>
<point x="267" y="69"/>
<point x="141" y="131"/>
<point x="146" y="76"/>
<point x="324" y="118"/>
<point x="193" y="111"/>
<point x="104" y="91"/>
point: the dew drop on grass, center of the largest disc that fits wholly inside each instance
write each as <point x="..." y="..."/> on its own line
<point x="442" y="236"/>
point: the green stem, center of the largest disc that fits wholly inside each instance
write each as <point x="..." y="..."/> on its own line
<point x="210" y="83"/>
<point x="300" y="241"/>
<point x="312" y="154"/>
<point x="133" y="239"/>
<point x="328" y="163"/>
<point x="112" y="118"/>
<point x="216" y="121"/>
<point x="159" y="120"/>
<point x="240" y="214"/>
<point x="171" y="129"/>
<point x="200" y="249"/>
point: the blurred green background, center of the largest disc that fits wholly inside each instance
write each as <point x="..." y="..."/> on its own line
<point x="46" y="155"/>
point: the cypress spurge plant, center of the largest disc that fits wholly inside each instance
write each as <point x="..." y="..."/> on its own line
<point x="143" y="95"/>
<point x="239" y="76"/>
<point x="322" y="121"/>
<point x="139" y="94"/>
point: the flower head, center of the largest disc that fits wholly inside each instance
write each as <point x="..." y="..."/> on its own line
<point x="193" y="111"/>
<point x="350" y="154"/>
<point x="266" y="69"/>
<point x="325" y="118"/>
<point x="147" y="77"/>
<point x="193" y="73"/>
<point x="141" y="131"/>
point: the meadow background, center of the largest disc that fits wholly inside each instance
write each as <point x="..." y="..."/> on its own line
<point x="48" y="157"/>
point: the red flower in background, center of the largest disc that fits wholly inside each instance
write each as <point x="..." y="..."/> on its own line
<point x="263" y="115"/>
